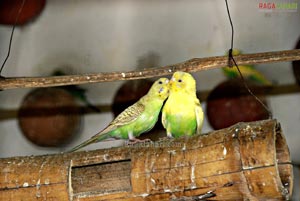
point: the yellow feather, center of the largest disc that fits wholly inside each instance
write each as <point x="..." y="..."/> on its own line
<point x="182" y="113"/>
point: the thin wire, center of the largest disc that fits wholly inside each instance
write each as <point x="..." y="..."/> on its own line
<point x="232" y="35"/>
<point x="230" y="58"/>
<point x="11" y="37"/>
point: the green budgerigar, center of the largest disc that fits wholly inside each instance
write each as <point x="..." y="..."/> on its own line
<point x="248" y="72"/>
<point x="137" y="118"/>
<point x="182" y="113"/>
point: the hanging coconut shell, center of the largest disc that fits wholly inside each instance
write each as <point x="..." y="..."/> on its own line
<point x="49" y="116"/>
<point x="230" y="103"/>
<point x="9" y="11"/>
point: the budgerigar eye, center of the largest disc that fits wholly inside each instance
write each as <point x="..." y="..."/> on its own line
<point x="160" y="82"/>
<point x="180" y="80"/>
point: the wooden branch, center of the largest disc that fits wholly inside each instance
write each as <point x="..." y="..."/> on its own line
<point x="193" y="65"/>
<point x="248" y="161"/>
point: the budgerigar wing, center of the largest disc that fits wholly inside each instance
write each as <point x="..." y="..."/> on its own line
<point x="129" y="115"/>
<point x="199" y="116"/>
<point x="163" y="119"/>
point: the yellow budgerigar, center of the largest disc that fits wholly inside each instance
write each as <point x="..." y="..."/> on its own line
<point x="182" y="113"/>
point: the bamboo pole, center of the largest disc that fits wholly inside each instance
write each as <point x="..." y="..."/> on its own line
<point x="248" y="161"/>
<point x="192" y="65"/>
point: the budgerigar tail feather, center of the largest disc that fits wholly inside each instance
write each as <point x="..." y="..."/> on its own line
<point x="94" y="139"/>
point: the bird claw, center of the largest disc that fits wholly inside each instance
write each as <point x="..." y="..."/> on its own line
<point x="135" y="141"/>
<point x="166" y="138"/>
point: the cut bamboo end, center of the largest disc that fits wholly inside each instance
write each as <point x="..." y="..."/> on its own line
<point x="246" y="161"/>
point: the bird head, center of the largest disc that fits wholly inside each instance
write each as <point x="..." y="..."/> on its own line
<point x="160" y="88"/>
<point x="182" y="81"/>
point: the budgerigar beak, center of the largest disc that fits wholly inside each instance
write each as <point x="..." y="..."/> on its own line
<point x="172" y="80"/>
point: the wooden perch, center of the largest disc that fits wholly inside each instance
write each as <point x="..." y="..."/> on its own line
<point x="248" y="161"/>
<point x="193" y="65"/>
